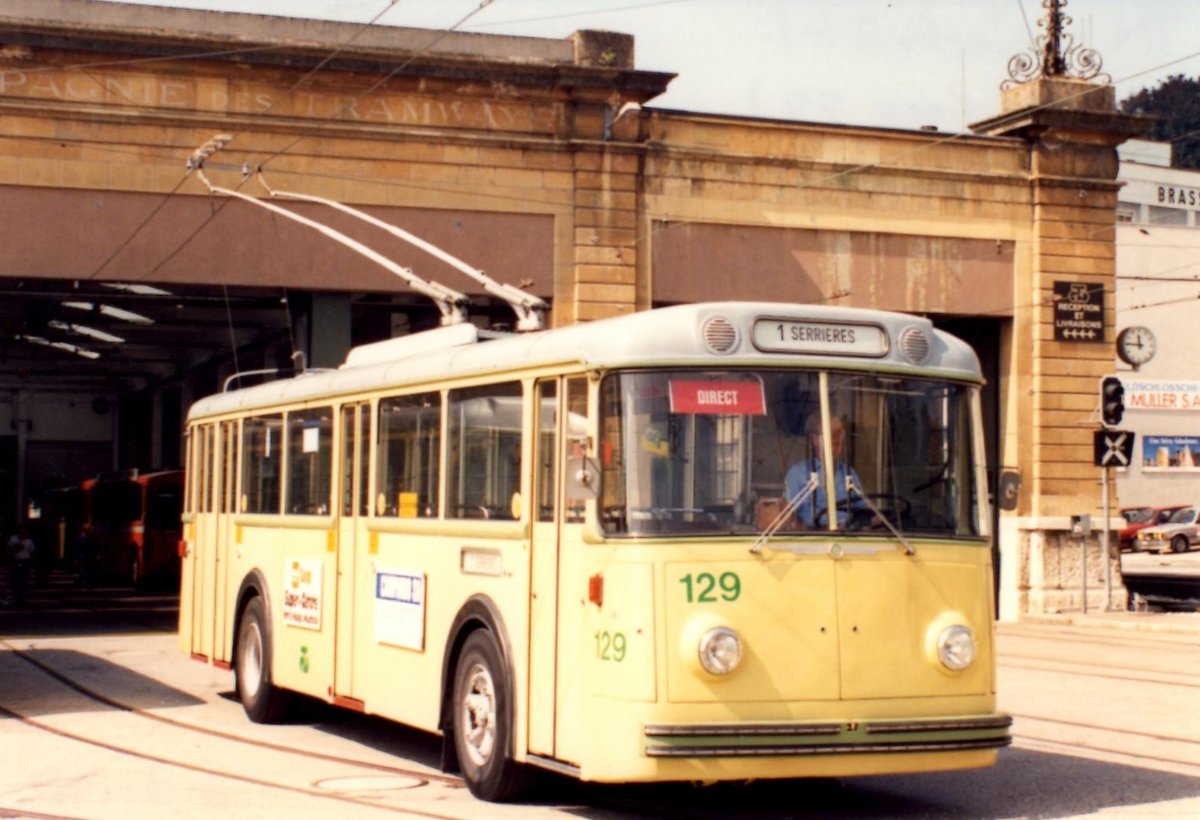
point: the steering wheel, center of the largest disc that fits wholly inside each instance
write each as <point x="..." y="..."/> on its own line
<point x="891" y="507"/>
<point x="855" y="521"/>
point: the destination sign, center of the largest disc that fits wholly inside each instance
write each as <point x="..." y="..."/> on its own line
<point x="837" y="338"/>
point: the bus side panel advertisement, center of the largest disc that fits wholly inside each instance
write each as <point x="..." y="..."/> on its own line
<point x="400" y="608"/>
<point x="302" y="593"/>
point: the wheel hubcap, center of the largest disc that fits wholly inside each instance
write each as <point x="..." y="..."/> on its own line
<point x="479" y="715"/>
<point x="251" y="666"/>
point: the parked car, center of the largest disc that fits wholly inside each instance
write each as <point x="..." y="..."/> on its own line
<point x="1178" y="534"/>
<point x="1138" y="518"/>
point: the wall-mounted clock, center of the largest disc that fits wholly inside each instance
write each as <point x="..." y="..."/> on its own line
<point x="1136" y="345"/>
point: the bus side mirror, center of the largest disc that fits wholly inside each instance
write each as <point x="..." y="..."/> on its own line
<point x="583" y="478"/>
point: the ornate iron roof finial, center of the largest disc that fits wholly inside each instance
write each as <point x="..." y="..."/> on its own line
<point x="1055" y="54"/>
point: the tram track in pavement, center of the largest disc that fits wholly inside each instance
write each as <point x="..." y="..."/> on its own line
<point x="112" y="703"/>
<point x="559" y="791"/>
<point x="66" y="603"/>
<point x="1024" y="739"/>
<point x="1145" y="667"/>
<point x="1041" y="664"/>
<point x="1030" y="654"/>
<point x="254" y="781"/>
<point x="373" y="776"/>
<point x="54" y="606"/>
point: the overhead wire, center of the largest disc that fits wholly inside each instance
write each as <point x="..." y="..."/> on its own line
<point x="665" y="224"/>
<point x="1025" y="19"/>
<point x="293" y="87"/>
<point x="298" y="84"/>
<point x="183" y="179"/>
<point x="154" y="212"/>
<point x="139" y="61"/>
<point x="442" y="34"/>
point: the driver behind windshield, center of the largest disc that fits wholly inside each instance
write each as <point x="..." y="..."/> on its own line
<point x="813" y="511"/>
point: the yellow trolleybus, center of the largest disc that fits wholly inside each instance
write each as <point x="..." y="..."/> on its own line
<point x="707" y="542"/>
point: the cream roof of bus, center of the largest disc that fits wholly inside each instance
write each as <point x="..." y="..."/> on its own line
<point x="668" y="336"/>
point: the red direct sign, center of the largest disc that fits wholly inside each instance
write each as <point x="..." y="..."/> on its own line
<point x="744" y="397"/>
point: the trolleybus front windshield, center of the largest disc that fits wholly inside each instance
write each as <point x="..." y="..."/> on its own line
<point x="721" y="452"/>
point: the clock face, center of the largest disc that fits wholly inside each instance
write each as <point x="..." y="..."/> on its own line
<point x="1136" y="345"/>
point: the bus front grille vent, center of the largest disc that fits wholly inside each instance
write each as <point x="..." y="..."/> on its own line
<point x="719" y="334"/>
<point x="914" y="344"/>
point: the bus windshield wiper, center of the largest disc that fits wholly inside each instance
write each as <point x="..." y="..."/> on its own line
<point x="852" y="487"/>
<point x="788" y="510"/>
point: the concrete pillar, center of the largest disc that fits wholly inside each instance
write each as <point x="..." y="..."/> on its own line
<point x="606" y="138"/>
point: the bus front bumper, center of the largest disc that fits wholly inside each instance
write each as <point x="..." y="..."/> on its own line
<point x="791" y="739"/>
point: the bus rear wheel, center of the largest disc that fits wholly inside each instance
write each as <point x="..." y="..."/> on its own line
<point x="261" y="699"/>
<point x="483" y="722"/>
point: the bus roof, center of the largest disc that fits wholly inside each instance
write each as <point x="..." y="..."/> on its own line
<point x="717" y="334"/>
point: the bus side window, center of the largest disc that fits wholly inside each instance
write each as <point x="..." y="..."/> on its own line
<point x="576" y="433"/>
<point x="547" y="448"/>
<point x="310" y="461"/>
<point x="189" y="474"/>
<point x="408" y="455"/>
<point x="208" y="473"/>
<point x="484" y="460"/>
<point x="261" y="449"/>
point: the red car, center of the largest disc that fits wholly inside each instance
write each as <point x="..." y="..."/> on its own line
<point x="1138" y="518"/>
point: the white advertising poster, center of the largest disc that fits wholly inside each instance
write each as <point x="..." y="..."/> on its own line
<point x="302" y="593"/>
<point x="1173" y="454"/>
<point x="400" y="607"/>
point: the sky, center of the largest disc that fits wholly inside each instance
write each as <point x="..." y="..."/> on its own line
<point x="887" y="63"/>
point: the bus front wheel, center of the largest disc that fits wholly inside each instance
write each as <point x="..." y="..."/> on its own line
<point x="483" y="722"/>
<point x="262" y="700"/>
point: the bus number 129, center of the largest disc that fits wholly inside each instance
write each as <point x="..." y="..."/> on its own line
<point x="610" y="646"/>
<point x="704" y="587"/>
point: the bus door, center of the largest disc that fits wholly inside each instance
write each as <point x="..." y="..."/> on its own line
<point x="561" y="423"/>
<point x="352" y="512"/>
<point x="202" y="555"/>
<point x="187" y="544"/>
<point x="224" y="507"/>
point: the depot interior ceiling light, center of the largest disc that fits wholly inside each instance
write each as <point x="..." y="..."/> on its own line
<point x="140" y="290"/>
<point x="82" y="352"/>
<point x="109" y="310"/>
<point x="84" y="330"/>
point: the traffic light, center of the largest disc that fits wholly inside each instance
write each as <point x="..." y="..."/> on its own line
<point x="1112" y="400"/>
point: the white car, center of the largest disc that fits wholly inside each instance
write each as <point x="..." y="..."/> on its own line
<point x="1178" y="534"/>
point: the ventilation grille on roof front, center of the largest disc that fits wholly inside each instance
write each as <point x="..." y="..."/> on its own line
<point x="914" y="344"/>
<point x="719" y="334"/>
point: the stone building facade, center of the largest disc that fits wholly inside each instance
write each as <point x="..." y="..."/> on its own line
<point x="543" y="162"/>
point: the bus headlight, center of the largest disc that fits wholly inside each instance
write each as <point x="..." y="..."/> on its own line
<point x="720" y="651"/>
<point x="956" y="647"/>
